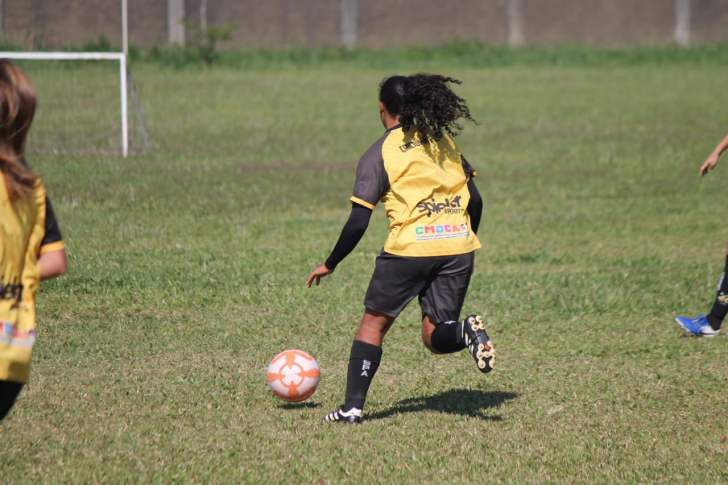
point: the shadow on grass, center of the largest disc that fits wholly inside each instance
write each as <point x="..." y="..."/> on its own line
<point x="465" y="402"/>
<point x="300" y="405"/>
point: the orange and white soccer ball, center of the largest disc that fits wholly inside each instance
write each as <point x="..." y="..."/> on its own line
<point x="293" y="375"/>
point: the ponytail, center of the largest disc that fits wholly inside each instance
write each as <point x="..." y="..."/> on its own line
<point x="425" y="101"/>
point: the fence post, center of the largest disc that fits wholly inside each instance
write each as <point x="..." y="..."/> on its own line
<point x="2" y="19"/>
<point x="349" y="21"/>
<point x="124" y="28"/>
<point x="175" y="17"/>
<point x="203" y="17"/>
<point x="516" y="22"/>
<point x="682" y="23"/>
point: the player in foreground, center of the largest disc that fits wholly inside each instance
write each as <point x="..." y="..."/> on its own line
<point x="434" y="211"/>
<point x="31" y="247"/>
<point x="702" y="326"/>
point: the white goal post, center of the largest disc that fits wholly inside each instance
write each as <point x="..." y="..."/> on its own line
<point x="88" y="56"/>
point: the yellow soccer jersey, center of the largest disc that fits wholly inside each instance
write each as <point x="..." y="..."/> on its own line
<point x="22" y="229"/>
<point x="423" y="185"/>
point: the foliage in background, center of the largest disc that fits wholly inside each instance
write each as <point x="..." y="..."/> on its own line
<point x="454" y="54"/>
<point x="474" y="55"/>
<point x="202" y="50"/>
<point x="205" y="40"/>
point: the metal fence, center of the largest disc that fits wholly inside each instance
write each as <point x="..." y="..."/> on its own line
<point x="372" y="23"/>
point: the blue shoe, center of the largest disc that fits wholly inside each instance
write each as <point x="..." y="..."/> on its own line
<point x="697" y="326"/>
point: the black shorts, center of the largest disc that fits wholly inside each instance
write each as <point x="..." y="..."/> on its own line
<point x="440" y="282"/>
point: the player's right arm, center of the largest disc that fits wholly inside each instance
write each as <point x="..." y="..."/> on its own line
<point x="712" y="159"/>
<point x="370" y="186"/>
<point x="351" y="234"/>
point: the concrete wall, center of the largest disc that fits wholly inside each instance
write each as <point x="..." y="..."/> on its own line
<point x="271" y="23"/>
<point x="710" y="20"/>
<point x="274" y="22"/>
<point x="60" y="23"/>
<point x="386" y="22"/>
<point x="601" y="22"/>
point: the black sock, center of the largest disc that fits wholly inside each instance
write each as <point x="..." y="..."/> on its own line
<point x="448" y="337"/>
<point x="363" y="364"/>
<point x="720" y="307"/>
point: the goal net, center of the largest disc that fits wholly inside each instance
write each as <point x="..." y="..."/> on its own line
<point x="82" y="102"/>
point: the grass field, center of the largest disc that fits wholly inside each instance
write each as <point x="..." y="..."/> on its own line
<point x="188" y="264"/>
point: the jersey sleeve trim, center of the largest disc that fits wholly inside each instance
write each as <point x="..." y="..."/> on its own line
<point x="54" y="246"/>
<point x="359" y="201"/>
<point x="467" y="168"/>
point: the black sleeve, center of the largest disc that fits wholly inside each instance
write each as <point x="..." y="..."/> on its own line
<point x="372" y="181"/>
<point x="52" y="231"/>
<point x="351" y="234"/>
<point x="475" y="206"/>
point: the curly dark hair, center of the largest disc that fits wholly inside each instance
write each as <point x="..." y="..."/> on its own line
<point x="425" y="101"/>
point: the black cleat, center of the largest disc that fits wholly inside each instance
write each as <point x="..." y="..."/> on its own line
<point x="353" y="416"/>
<point x="479" y="343"/>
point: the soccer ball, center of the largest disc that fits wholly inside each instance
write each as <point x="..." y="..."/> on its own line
<point x="293" y="375"/>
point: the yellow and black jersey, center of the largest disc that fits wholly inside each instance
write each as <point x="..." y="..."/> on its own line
<point x="22" y="232"/>
<point x="423" y="185"/>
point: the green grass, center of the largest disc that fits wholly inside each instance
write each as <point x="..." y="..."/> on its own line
<point x="188" y="264"/>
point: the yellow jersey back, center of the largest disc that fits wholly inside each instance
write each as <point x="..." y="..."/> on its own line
<point x="423" y="185"/>
<point x="22" y="228"/>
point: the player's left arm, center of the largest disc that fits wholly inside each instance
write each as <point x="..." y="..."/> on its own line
<point x="52" y="259"/>
<point x="53" y="264"/>
<point x="475" y="206"/>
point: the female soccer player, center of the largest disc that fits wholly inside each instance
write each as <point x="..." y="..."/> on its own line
<point x="702" y="326"/>
<point x="31" y="247"/>
<point x="434" y="211"/>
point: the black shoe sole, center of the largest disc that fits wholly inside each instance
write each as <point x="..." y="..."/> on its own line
<point x="479" y="344"/>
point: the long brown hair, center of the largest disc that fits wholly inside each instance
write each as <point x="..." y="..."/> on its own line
<point x="17" y="107"/>
<point x="425" y="101"/>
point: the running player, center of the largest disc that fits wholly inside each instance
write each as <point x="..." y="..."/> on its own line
<point x="434" y="211"/>
<point x="702" y="326"/>
<point x="31" y="247"/>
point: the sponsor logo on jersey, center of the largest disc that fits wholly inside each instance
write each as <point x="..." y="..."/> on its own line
<point x="413" y="144"/>
<point x="450" y="206"/>
<point x="11" y="291"/>
<point x="9" y="334"/>
<point x="441" y="231"/>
